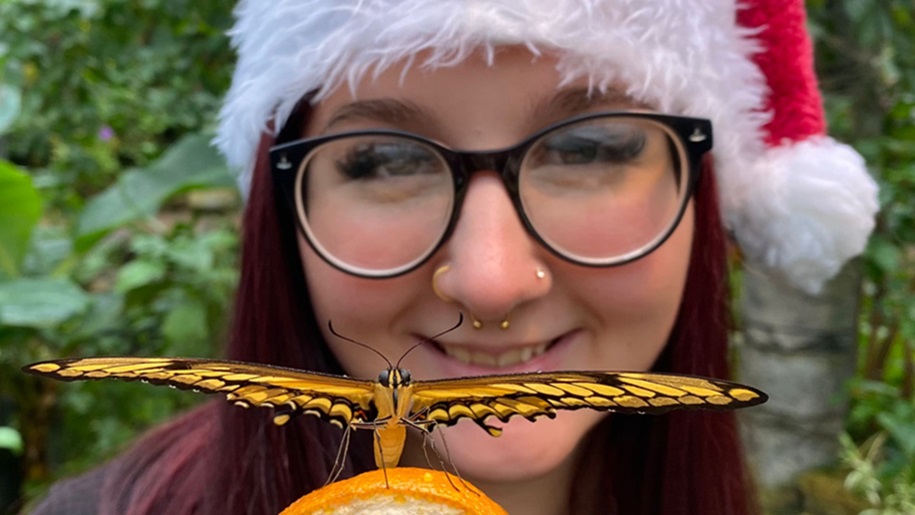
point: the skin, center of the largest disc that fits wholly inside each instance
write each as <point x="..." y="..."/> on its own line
<point x="599" y="319"/>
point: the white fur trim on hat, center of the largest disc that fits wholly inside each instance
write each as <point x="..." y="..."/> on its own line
<point x="809" y="211"/>
<point x="682" y="57"/>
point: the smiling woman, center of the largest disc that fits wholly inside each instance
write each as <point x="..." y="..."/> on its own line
<point x="576" y="316"/>
<point x="548" y="169"/>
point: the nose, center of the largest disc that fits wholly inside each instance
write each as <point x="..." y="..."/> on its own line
<point x="494" y="265"/>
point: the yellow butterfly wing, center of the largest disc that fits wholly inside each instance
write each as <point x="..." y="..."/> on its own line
<point x="340" y="400"/>
<point x="540" y="394"/>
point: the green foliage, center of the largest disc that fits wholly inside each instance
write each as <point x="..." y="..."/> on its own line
<point x="106" y="109"/>
<point x="10" y="103"/>
<point x="110" y="84"/>
<point x="137" y="194"/>
<point x="866" y="53"/>
<point x="42" y="302"/>
<point x="149" y="287"/>
<point x="887" y="494"/>
<point x="881" y="411"/>
<point x="20" y="208"/>
<point x="10" y="439"/>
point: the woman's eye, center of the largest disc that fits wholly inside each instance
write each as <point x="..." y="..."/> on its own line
<point x="587" y="145"/>
<point x="384" y="160"/>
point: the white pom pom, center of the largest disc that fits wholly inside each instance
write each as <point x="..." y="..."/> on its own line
<point x="808" y="208"/>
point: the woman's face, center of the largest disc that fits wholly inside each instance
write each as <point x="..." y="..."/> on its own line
<point x="571" y="318"/>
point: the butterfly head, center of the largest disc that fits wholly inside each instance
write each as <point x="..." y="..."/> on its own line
<point x="394" y="377"/>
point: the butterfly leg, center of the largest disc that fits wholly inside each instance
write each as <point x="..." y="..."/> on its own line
<point x="423" y="428"/>
<point x="388" y="441"/>
<point x="427" y="427"/>
<point x="419" y="422"/>
<point x="337" y="469"/>
<point x="379" y="448"/>
<point x="450" y="460"/>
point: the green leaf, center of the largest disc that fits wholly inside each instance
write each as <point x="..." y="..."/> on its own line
<point x="139" y="193"/>
<point x="20" y="210"/>
<point x="40" y="302"/>
<point x="901" y="429"/>
<point x="139" y="273"/>
<point x="10" y="439"/>
<point x="106" y="310"/>
<point x="10" y="103"/>
<point x="191" y="254"/>
<point x="186" y="322"/>
<point x="886" y="255"/>
<point x="49" y="247"/>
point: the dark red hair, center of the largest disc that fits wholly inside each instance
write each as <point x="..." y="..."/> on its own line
<point x="220" y="459"/>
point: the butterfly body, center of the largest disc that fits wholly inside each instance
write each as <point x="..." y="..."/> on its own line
<point x="394" y="401"/>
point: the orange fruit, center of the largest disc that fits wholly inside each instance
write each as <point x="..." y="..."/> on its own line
<point x="408" y="490"/>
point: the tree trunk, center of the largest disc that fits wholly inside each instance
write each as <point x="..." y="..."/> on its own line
<point x="801" y="350"/>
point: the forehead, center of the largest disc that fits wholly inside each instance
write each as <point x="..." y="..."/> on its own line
<point x="515" y="88"/>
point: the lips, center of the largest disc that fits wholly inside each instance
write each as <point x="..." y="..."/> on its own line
<point x="447" y="358"/>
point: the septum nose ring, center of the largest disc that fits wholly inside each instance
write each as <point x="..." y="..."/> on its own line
<point x="474" y="321"/>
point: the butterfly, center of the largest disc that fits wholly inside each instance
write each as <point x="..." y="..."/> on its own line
<point x="394" y="401"/>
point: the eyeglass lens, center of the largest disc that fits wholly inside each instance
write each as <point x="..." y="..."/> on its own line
<point x="596" y="192"/>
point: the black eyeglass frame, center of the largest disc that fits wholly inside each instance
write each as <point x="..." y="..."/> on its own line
<point x="694" y="135"/>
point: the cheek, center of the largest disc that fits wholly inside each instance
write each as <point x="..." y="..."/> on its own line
<point x="377" y="237"/>
<point x="605" y="220"/>
<point x="653" y="284"/>
<point x="635" y="306"/>
<point x="365" y="310"/>
<point x="330" y="289"/>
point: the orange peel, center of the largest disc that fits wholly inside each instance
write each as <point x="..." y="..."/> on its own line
<point x="407" y="490"/>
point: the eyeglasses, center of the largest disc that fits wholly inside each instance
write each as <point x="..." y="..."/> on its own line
<point x="596" y="190"/>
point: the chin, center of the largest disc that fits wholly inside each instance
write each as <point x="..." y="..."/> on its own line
<point x="525" y="450"/>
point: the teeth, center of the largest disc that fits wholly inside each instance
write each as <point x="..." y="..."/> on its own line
<point x="458" y="353"/>
<point x="511" y="357"/>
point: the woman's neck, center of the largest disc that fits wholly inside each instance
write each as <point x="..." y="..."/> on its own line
<point x="544" y="495"/>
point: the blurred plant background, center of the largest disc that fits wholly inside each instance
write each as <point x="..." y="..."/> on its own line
<point x="118" y="222"/>
<point x="866" y="58"/>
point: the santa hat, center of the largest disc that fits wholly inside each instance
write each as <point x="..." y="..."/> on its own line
<point x="799" y="203"/>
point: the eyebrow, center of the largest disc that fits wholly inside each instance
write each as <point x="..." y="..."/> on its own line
<point x="576" y="100"/>
<point x="383" y="110"/>
<point x="393" y="111"/>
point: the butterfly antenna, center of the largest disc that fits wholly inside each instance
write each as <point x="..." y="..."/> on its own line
<point x="429" y="339"/>
<point x="330" y="326"/>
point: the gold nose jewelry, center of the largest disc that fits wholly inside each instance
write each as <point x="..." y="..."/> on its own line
<point x="475" y="322"/>
<point x="478" y="324"/>
<point x="438" y="293"/>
